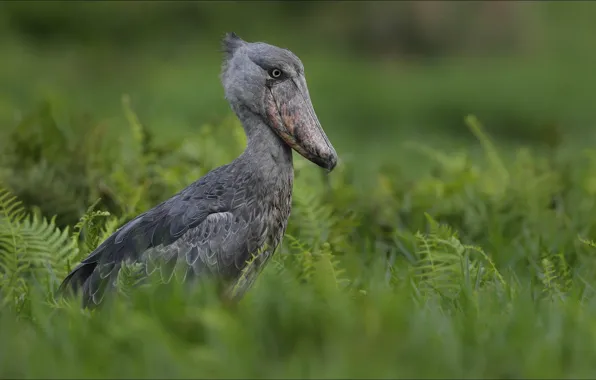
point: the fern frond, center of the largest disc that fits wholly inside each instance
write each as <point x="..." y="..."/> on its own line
<point x="48" y="245"/>
<point x="333" y="267"/>
<point x="314" y="217"/>
<point x="301" y="254"/>
<point x="307" y="262"/>
<point x="33" y="251"/>
<point x="87" y="233"/>
<point x="444" y="265"/>
<point x="319" y="221"/>
<point x="11" y="208"/>
<point x="495" y="160"/>
<point x="556" y="274"/>
<point x="549" y="276"/>
<point x="138" y="132"/>
<point x="12" y="285"/>
<point x="588" y="242"/>
<point x="129" y="277"/>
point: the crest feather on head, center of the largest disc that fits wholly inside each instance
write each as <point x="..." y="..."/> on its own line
<point x="231" y="42"/>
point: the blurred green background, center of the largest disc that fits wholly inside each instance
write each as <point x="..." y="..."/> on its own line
<point x="379" y="72"/>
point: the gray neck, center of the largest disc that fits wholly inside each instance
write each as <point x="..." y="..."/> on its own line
<point x="265" y="149"/>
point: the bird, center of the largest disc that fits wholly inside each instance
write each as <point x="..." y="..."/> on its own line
<point x="227" y="224"/>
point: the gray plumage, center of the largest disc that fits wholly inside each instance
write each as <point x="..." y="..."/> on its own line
<point x="229" y="222"/>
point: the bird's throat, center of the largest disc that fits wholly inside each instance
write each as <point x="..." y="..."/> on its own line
<point x="265" y="148"/>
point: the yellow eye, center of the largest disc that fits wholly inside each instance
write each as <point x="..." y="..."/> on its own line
<point x="275" y="73"/>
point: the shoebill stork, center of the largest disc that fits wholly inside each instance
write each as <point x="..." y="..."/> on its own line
<point x="228" y="223"/>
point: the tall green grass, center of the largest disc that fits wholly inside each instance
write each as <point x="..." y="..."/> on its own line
<point x="475" y="267"/>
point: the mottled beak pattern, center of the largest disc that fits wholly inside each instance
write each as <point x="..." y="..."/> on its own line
<point x="293" y="118"/>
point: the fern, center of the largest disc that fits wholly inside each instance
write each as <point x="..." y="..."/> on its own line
<point x="588" y="242"/>
<point x="501" y="174"/>
<point x="87" y="233"/>
<point x="331" y="267"/>
<point x="549" y="278"/>
<point x="12" y="267"/>
<point x="308" y="263"/>
<point x="302" y="257"/>
<point x="48" y="247"/>
<point x="129" y="277"/>
<point x="444" y="265"/>
<point x="33" y="251"/>
<point x="318" y="221"/>
<point x="314" y="218"/>
<point x="555" y="275"/>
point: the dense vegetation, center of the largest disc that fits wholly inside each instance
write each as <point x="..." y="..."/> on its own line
<point x="441" y="246"/>
<point x="474" y="268"/>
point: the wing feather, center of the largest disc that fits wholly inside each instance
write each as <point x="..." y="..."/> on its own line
<point x="205" y="229"/>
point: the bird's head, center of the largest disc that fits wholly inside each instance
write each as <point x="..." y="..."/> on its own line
<point x="270" y="82"/>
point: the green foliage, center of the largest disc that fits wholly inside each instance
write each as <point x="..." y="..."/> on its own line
<point x="33" y="252"/>
<point x="476" y="267"/>
<point x="473" y="260"/>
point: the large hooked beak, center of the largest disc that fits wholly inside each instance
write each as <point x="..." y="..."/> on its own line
<point x="293" y="118"/>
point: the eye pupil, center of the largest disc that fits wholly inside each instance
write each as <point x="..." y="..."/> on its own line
<point x="276" y="73"/>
